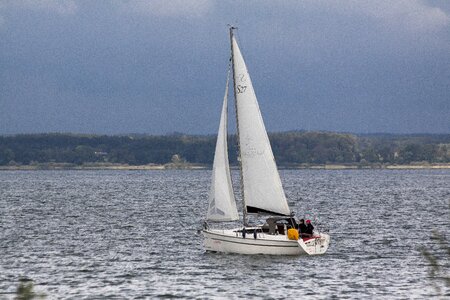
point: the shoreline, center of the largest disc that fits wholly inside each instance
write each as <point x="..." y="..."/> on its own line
<point x="155" y="167"/>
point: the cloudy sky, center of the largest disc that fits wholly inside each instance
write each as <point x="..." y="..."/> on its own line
<point x="157" y="67"/>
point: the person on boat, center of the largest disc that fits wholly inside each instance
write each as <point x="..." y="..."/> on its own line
<point x="309" y="228"/>
<point x="302" y="228"/>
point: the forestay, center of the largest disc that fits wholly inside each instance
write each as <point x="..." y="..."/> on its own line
<point x="222" y="205"/>
<point x="263" y="191"/>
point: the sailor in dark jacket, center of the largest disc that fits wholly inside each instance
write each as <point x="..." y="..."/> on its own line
<point x="309" y="228"/>
<point x="302" y="228"/>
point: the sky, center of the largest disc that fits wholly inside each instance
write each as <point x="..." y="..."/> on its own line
<point x="158" y="67"/>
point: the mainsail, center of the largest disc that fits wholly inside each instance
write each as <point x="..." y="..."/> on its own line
<point x="222" y="205"/>
<point x="262" y="189"/>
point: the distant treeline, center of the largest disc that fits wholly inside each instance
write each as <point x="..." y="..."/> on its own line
<point x="290" y="148"/>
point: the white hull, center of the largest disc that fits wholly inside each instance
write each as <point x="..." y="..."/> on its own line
<point x="231" y="241"/>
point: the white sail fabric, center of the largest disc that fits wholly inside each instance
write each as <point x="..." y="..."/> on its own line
<point x="222" y="205"/>
<point x="263" y="191"/>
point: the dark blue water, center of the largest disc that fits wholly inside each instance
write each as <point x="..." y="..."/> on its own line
<point x="133" y="234"/>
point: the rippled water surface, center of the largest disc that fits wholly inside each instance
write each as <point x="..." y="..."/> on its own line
<point x="133" y="234"/>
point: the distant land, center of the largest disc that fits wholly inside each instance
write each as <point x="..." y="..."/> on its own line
<point x="296" y="149"/>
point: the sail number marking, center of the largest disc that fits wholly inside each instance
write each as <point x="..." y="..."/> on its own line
<point x="241" y="88"/>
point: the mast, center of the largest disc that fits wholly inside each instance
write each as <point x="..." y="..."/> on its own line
<point x="244" y="207"/>
<point x="260" y="180"/>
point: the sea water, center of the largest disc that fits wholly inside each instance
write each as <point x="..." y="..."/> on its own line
<point x="135" y="235"/>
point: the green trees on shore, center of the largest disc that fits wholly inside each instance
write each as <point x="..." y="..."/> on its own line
<point x="290" y="148"/>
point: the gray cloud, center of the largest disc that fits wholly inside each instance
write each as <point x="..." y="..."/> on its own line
<point x="173" y="8"/>
<point x="149" y="66"/>
<point x="64" y="7"/>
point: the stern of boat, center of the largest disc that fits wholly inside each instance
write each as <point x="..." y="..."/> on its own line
<point x="316" y="245"/>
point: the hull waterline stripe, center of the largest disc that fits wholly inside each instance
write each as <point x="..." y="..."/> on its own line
<point x="250" y="244"/>
<point x="238" y="239"/>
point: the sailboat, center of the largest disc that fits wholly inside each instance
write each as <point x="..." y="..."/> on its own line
<point x="261" y="188"/>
